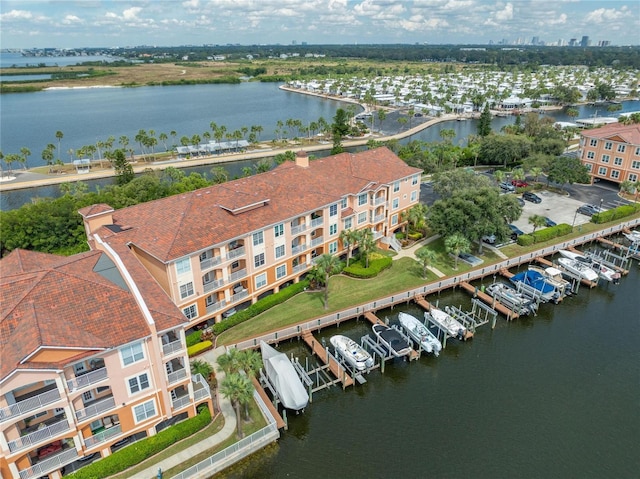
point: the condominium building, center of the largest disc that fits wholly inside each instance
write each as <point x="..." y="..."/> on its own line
<point x="89" y="362"/>
<point x="225" y="246"/>
<point x="612" y="152"/>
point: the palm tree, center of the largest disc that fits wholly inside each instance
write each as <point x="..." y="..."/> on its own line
<point x="59" y="136"/>
<point x="349" y="239"/>
<point x="26" y="152"/>
<point x="250" y="361"/>
<point x="517" y="174"/>
<point x="500" y="176"/>
<point x="536" y="171"/>
<point x="239" y="390"/>
<point x="456" y="244"/>
<point x="426" y="257"/>
<point x="327" y="265"/>
<point x="163" y="138"/>
<point x="367" y="245"/>
<point x="230" y="361"/>
<point x="537" y="221"/>
<point x="47" y="155"/>
<point x="219" y="174"/>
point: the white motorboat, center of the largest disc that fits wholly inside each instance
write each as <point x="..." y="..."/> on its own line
<point x="511" y="298"/>
<point x="554" y="277"/>
<point x="578" y="268"/>
<point x="392" y="340"/>
<point x="354" y="354"/>
<point x="594" y="263"/>
<point x="448" y="323"/>
<point x="420" y="333"/>
<point x="633" y="236"/>
<point x="284" y="379"/>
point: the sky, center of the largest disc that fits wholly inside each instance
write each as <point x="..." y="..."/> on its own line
<point x="122" y="23"/>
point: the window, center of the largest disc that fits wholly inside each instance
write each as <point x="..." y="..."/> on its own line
<point x="602" y="171"/>
<point x="394" y="220"/>
<point x="138" y="383"/>
<point x="617" y="161"/>
<point x="588" y="165"/>
<point x="593" y="142"/>
<point x="258" y="260"/>
<point x="637" y="150"/>
<point x="344" y="202"/>
<point x="144" y="411"/>
<point x="591" y="155"/>
<point x="608" y="145"/>
<point x="186" y="290"/>
<point x="414" y="196"/>
<point x="131" y="353"/>
<point x="258" y="238"/>
<point x="190" y="312"/>
<point x="615" y="174"/>
<point x="348" y="223"/>
<point x="183" y="266"/>
<point x="210" y="300"/>
<point x="333" y="210"/>
<point x="605" y="158"/>
<point x="281" y="271"/>
<point x="621" y="148"/>
<point x="278" y="230"/>
<point x="635" y="164"/>
<point x="362" y="217"/>
<point x="333" y="247"/>
<point x="395" y="204"/>
<point x="280" y="251"/>
<point x="206" y="255"/>
<point x="633" y="177"/>
<point x="235" y="265"/>
<point x="333" y="229"/>
<point x="362" y="199"/>
<point x="396" y="187"/>
<point x="415" y="179"/>
<point x="261" y="280"/>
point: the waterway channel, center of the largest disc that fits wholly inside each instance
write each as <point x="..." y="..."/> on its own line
<point x="550" y="396"/>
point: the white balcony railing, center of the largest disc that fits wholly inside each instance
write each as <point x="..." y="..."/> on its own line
<point x="172" y="347"/>
<point x="180" y="402"/>
<point x="317" y="222"/>
<point x="176" y="376"/>
<point x="299" y="228"/>
<point x="103" y="436"/>
<point x="53" y="462"/>
<point x="213" y="285"/>
<point x="316" y="241"/>
<point x="96" y="408"/>
<point x="239" y="296"/>
<point x="200" y="387"/>
<point x="299" y="248"/>
<point x="300" y="267"/>
<point x="209" y="263"/>
<point x="234" y="253"/>
<point x="44" y="434"/>
<point x="87" y="379"/>
<point x="31" y="404"/>
<point x="237" y="275"/>
<point x="379" y="200"/>
<point x="378" y="218"/>
<point x="212" y="308"/>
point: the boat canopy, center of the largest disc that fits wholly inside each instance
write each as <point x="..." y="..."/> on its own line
<point x="283" y="378"/>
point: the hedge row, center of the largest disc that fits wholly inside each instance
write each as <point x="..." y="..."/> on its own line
<point x="194" y="338"/>
<point x="358" y="270"/>
<point x="544" y="234"/>
<point x="143" y="449"/>
<point x="261" y="306"/>
<point x="614" y="214"/>
<point x="199" y="348"/>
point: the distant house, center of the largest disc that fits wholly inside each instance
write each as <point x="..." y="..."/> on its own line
<point x="82" y="166"/>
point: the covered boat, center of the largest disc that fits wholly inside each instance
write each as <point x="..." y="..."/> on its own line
<point x="392" y="340"/>
<point x="512" y="299"/>
<point x="420" y="333"/>
<point x="594" y="263"/>
<point x="446" y="322"/>
<point x="538" y="282"/>
<point x="283" y="377"/>
<point x="554" y="277"/>
<point x="354" y="354"/>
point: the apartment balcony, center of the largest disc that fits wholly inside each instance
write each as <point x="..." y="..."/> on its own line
<point x="172" y="347"/>
<point x="210" y="263"/>
<point x="239" y="296"/>
<point x="377" y="235"/>
<point x="92" y="377"/>
<point x="299" y="248"/>
<point x="213" y="285"/>
<point x="235" y="276"/>
<point x="317" y="222"/>
<point x="378" y="218"/>
<point x="181" y="402"/>
<point x="176" y="376"/>
<point x="30" y="404"/>
<point x="212" y="308"/>
<point x="44" y="434"/>
<point x="299" y="229"/>
<point x="317" y="241"/>
<point x="300" y="268"/>
<point x="234" y="253"/>
<point x="102" y="436"/>
<point x="201" y="388"/>
<point x="380" y="200"/>
<point x="53" y="462"/>
<point x="95" y="409"/>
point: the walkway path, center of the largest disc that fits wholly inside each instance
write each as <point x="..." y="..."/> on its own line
<point x="227" y="430"/>
<point x="410" y="252"/>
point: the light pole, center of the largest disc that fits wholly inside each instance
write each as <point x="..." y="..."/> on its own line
<point x="574" y="220"/>
<point x="601" y="201"/>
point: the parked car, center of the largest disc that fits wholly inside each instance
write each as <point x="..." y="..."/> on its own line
<point x="549" y="221"/>
<point x="589" y="210"/>
<point x="507" y="186"/>
<point x="515" y="232"/>
<point x="527" y="195"/>
<point x="519" y="183"/>
<point x="491" y="239"/>
<point x="520" y="201"/>
<point x="229" y="312"/>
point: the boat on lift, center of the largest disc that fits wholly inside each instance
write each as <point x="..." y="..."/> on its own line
<point x="284" y="379"/>
<point x="512" y="299"/>
<point x="446" y="322"/>
<point x="581" y="270"/>
<point x="353" y="354"/>
<point x="420" y="333"/>
<point x="554" y="277"/>
<point x="633" y="236"/>
<point x="593" y="262"/>
<point x="537" y="283"/>
<point x="392" y="340"/>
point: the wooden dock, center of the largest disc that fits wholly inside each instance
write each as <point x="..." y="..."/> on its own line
<point x="501" y="308"/>
<point x="274" y="411"/>
<point x="424" y="304"/>
<point x="586" y="282"/>
<point x="372" y="318"/>
<point x="336" y="369"/>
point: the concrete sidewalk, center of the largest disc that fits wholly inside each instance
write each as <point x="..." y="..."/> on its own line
<point x="227" y="430"/>
<point x="411" y="253"/>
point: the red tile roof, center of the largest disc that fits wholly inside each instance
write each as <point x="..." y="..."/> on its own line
<point x="177" y="226"/>
<point x="628" y="133"/>
<point x="49" y="301"/>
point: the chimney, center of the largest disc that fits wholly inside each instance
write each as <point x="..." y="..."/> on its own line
<point x="302" y="159"/>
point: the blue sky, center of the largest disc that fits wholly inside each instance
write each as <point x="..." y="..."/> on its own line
<point x="121" y="23"/>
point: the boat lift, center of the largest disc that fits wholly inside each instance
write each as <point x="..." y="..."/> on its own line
<point x="480" y="314"/>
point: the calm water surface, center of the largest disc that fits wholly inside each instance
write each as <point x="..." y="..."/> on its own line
<point x="555" y="396"/>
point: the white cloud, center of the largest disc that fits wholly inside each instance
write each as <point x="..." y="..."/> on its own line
<point x="131" y="13"/>
<point x="16" y="15"/>
<point x="71" y="19"/>
<point x="604" y="15"/>
<point x="506" y="14"/>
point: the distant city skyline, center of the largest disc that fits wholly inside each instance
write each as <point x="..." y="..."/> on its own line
<point x="121" y="23"/>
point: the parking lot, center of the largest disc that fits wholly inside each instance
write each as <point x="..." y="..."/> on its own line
<point x="559" y="208"/>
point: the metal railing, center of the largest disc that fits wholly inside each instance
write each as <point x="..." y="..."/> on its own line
<point x="316" y="241"/>
<point x="234" y="253"/>
<point x="180" y="402"/>
<point x="31" y="404"/>
<point x="87" y="379"/>
<point x="52" y="463"/>
<point x="434" y="287"/>
<point x="378" y="218"/>
<point x="239" y="296"/>
<point x="299" y="248"/>
<point x="300" y="267"/>
<point x="102" y="436"/>
<point x="176" y="376"/>
<point x="299" y="228"/>
<point x="96" y="408"/>
<point x="237" y="275"/>
<point x="209" y="263"/>
<point x="172" y="347"/>
<point x="317" y="221"/>
<point x="379" y="200"/>
<point x="212" y="308"/>
<point x="212" y="285"/>
<point x="31" y="439"/>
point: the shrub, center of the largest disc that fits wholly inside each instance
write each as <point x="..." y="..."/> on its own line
<point x="194" y="338"/>
<point x="358" y="270"/>
<point x="544" y="234"/>
<point x="415" y="236"/>
<point x="199" y="348"/>
<point x="141" y="450"/>
<point x="613" y="214"/>
<point x="525" y="240"/>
